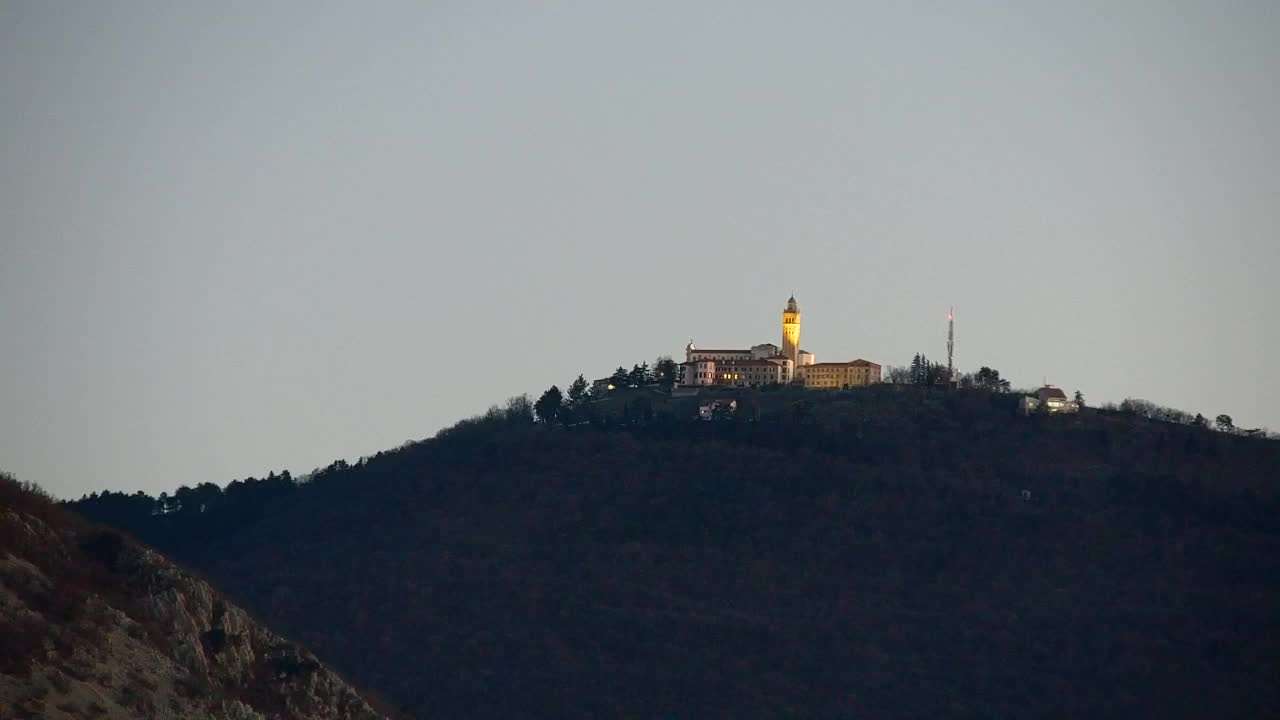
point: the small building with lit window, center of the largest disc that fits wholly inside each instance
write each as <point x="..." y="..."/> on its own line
<point x="835" y="376"/>
<point x="1049" y="399"/>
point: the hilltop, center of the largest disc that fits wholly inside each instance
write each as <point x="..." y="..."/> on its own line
<point x="93" y="625"/>
<point x="891" y="551"/>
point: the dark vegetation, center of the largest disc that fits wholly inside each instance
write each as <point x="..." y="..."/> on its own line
<point x="893" y="551"/>
<point x="923" y="371"/>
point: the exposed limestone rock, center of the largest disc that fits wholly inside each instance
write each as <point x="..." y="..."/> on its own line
<point x="93" y="625"/>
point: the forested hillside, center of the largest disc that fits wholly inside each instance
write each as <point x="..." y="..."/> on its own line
<point x="888" y="552"/>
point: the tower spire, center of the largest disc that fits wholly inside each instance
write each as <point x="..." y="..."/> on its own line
<point x="791" y="330"/>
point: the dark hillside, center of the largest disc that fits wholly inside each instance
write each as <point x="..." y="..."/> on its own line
<point x="892" y="552"/>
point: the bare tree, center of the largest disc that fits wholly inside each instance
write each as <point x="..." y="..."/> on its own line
<point x="897" y="375"/>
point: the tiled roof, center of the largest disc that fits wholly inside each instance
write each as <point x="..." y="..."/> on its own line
<point x="748" y="363"/>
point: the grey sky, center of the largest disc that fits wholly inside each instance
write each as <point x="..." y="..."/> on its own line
<point x="237" y="237"/>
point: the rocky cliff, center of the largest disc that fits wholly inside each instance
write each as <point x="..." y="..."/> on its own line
<point x="94" y="625"/>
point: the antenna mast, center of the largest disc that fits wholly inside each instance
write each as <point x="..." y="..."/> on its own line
<point x="951" y="341"/>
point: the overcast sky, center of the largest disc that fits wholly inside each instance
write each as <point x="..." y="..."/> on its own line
<point x="237" y="237"/>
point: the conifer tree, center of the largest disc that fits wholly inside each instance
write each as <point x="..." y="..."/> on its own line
<point x="619" y="377"/>
<point x="639" y="375"/>
<point x="549" y="405"/>
<point x="577" y="391"/>
<point x="921" y="370"/>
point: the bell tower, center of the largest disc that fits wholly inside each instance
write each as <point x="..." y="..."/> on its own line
<point x="791" y="330"/>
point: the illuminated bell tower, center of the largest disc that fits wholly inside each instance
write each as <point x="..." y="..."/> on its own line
<point x="791" y="331"/>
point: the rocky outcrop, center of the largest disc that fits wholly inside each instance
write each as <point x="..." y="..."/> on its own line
<point x="93" y="625"/>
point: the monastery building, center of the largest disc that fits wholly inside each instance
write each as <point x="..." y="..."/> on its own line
<point x="769" y="364"/>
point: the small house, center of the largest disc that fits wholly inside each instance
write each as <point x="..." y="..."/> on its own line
<point x="1048" y="399"/>
<point x="709" y="409"/>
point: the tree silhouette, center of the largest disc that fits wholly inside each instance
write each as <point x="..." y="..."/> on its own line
<point x="897" y="375"/>
<point x="934" y="373"/>
<point x="577" y="392"/>
<point x="519" y="410"/>
<point x="664" y="371"/>
<point x="619" y="377"/>
<point x="990" y="379"/>
<point x="639" y="375"/>
<point x="549" y="405"/>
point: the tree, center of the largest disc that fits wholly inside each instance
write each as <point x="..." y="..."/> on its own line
<point x="1147" y="409"/>
<point x="1139" y="407"/>
<point x="575" y="404"/>
<point x="897" y="375"/>
<point x="934" y="373"/>
<point x="619" y="377"/>
<point x="665" y="371"/>
<point x="990" y="379"/>
<point x="519" y="410"/>
<point x="639" y="375"/>
<point x="167" y="504"/>
<point x="1079" y="398"/>
<point x="1200" y="421"/>
<point x="186" y="500"/>
<point x="208" y="496"/>
<point x="577" y="392"/>
<point x="549" y="405"/>
<point x="1224" y="423"/>
<point x="923" y="372"/>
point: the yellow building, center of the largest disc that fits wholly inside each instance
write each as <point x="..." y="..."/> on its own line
<point x="855" y="373"/>
<point x="791" y="331"/>
<point x="768" y="364"/>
